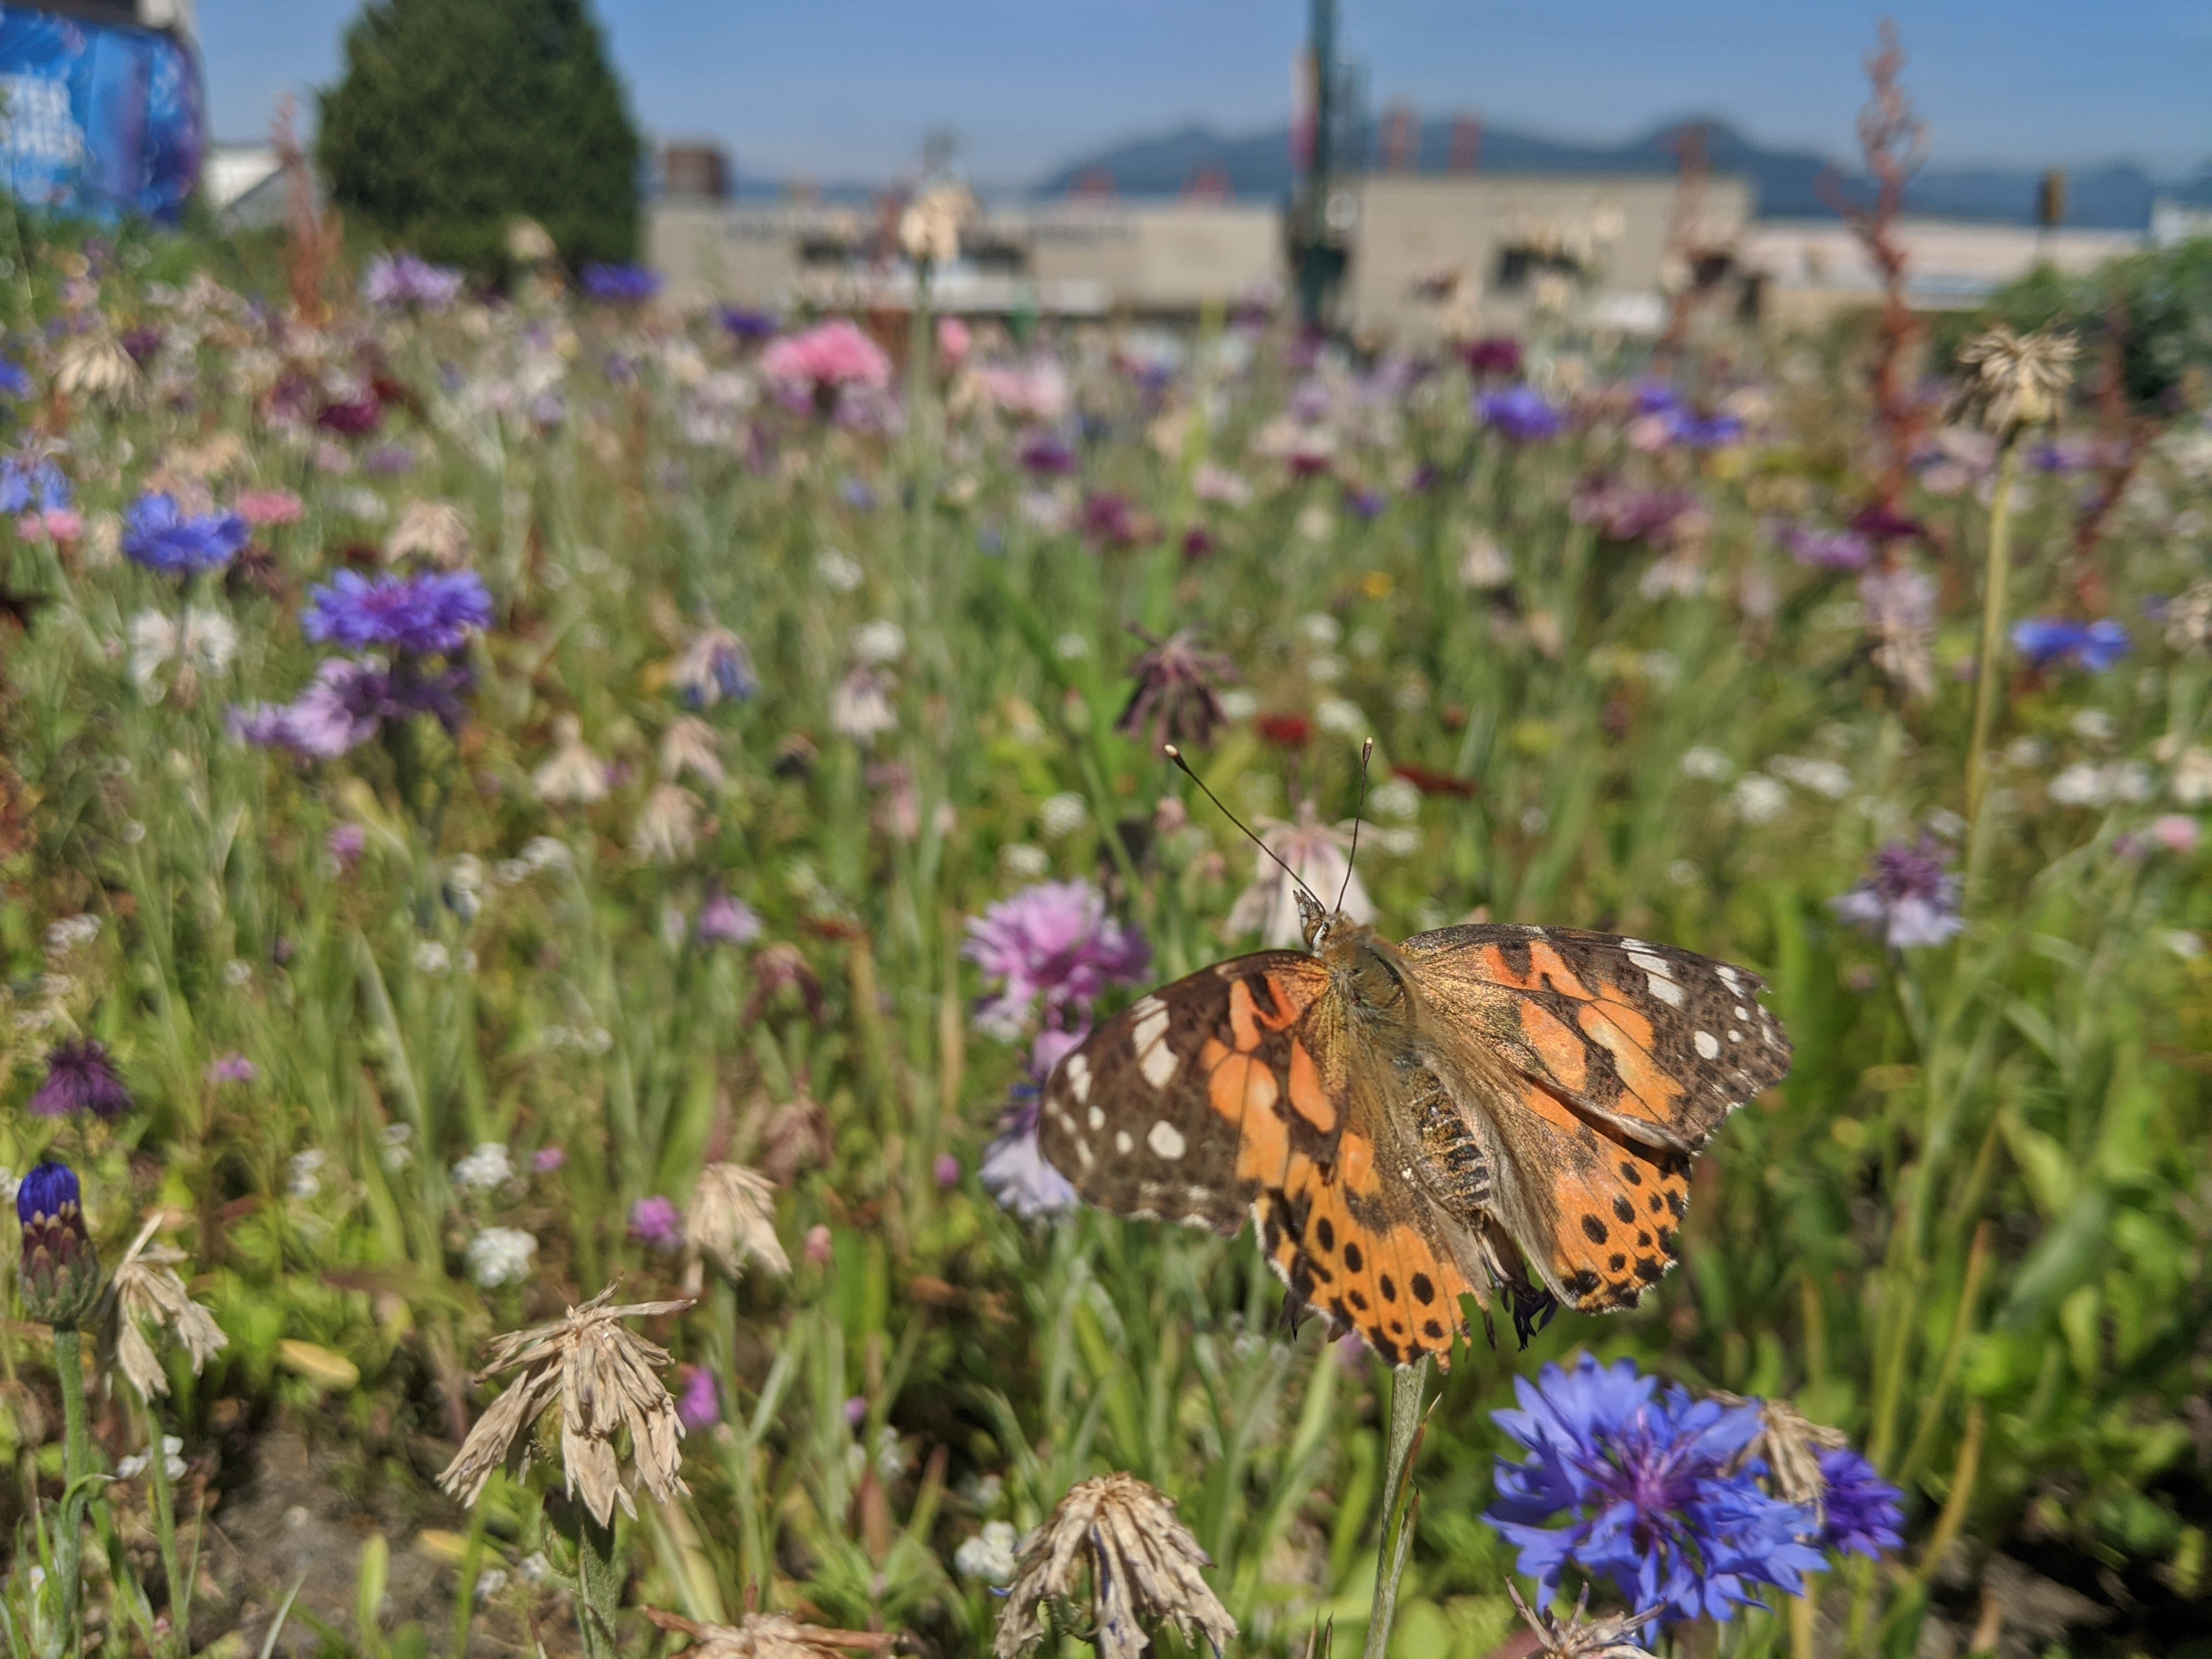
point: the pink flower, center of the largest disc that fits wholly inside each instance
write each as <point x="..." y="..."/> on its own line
<point x="828" y="356"/>
<point x="953" y="340"/>
<point x="547" y="1160"/>
<point x="267" y="506"/>
<point x="2177" y="832"/>
<point x="656" y="1222"/>
<point x="698" y="1400"/>
<point x="1052" y="943"/>
<point x="817" y="1249"/>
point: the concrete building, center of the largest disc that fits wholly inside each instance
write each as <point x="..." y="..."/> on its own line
<point x="1812" y="268"/>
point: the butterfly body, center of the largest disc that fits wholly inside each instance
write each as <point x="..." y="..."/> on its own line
<point x="1474" y="1109"/>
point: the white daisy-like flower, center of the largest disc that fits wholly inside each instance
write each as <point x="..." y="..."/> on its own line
<point x="500" y="1256"/>
<point x="490" y="1165"/>
<point x="878" y="643"/>
<point x="1063" y="814"/>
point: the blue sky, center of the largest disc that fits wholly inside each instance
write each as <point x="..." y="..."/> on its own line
<point x="845" y="88"/>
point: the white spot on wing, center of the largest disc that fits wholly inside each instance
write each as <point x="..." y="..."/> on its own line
<point x="1078" y="1072"/>
<point x="1708" y="1044"/>
<point x="1165" y="1139"/>
<point x="1652" y="964"/>
<point x="1664" y="988"/>
<point x="1729" y="978"/>
<point x="1122" y="1143"/>
<point x="1157" y="1063"/>
<point x="1097" y="1118"/>
<point x="1148" y="1037"/>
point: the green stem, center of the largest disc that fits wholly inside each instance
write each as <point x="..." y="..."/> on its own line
<point x="599" y="1580"/>
<point x="1406" y="1388"/>
<point x="77" y="1463"/>
<point x="1987" y="668"/>
<point x="164" y="1533"/>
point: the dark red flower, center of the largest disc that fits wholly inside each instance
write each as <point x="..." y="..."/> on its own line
<point x="1886" y="524"/>
<point x="1497" y="353"/>
<point x="1175" y="699"/>
<point x="354" y="418"/>
<point x="1197" y="543"/>
<point x="1286" y="731"/>
<point x="1436" y="783"/>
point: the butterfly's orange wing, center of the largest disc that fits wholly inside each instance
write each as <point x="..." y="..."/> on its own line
<point x="1247" y="1087"/>
<point x="1588" y="1068"/>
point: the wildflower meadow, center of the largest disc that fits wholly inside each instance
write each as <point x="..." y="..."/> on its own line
<point x="555" y="845"/>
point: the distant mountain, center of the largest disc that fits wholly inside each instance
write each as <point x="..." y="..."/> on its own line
<point x="1789" y="183"/>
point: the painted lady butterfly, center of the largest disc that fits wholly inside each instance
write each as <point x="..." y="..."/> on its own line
<point x="1479" y="1108"/>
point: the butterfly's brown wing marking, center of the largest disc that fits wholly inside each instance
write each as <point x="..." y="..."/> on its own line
<point x="1246" y="1085"/>
<point x="1589" y="1069"/>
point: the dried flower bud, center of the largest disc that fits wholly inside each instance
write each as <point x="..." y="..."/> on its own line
<point x="2015" y="380"/>
<point x="769" y="1636"/>
<point x="146" y="1289"/>
<point x="1142" y="1567"/>
<point x="60" y="1273"/>
<point x="1790" y="1444"/>
<point x="1577" y="1637"/>
<point x="733" y="1219"/>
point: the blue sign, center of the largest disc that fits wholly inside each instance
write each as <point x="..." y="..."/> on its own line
<point x="97" y="120"/>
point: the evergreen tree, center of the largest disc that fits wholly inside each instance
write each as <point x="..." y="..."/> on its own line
<point x="456" y="117"/>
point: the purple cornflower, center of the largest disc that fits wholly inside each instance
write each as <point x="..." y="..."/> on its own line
<point x="750" y="325"/>
<point x="231" y="1069"/>
<point x="657" y="1224"/>
<point x="698" y="1399"/>
<point x="1860" y="1513"/>
<point x="1694" y="430"/>
<point x="1818" y="548"/>
<point x="1907" y="896"/>
<point x="160" y="535"/>
<point x="402" y="282"/>
<point x="1048" y="457"/>
<point x="58" y="1277"/>
<point x="345" y="843"/>
<point x="619" y="284"/>
<point x="1520" y="415"/>
<point x="1175" y="699"/>
<point x="726" y="921"/>
<point x="81" y="1078"/>
<point x="1647" y="1485"/>
<point x="1365" y="505"/>
<point x="947" y="1170"/>
<point x="1657" y="398"/>
<point x="1109" y="518"/>
<point x="1054" y="944"/>
<point x="420" y="614"/>
<point x="547" y="1160"/>
<point x="1013" y="1170"/>
<point x="336" y="712"/>
<point x="2096" y="645"/>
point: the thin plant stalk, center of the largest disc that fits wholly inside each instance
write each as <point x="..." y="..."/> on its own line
<point x="1405" y="1389"/>
<point x="76" y="1464"/>
<point x="164" y="1533"/>
<point x="1986" y="670"/>
<point x="599" y="1577"/>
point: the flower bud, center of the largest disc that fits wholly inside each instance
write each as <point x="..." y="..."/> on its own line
<point x="60" y="1274"/>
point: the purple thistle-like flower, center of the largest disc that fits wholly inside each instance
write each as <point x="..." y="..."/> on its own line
<point x="698" y="1399"/>
<point x="1647" y="1488"/>
<point x="81" y="1078"/>
<point x="657" y="1224"/>
<point x="161" y="536"/>
<point x="231" y="1069"/>
<point x="1054" y="944"/>
<point x="2048" y="640"/>
<point x="402" y="282"/>
<point x="1820" y="548"/>
<point x="1907" y="896"/>
<point x="619" y="284"/>
<point x="1520" y="415"/>
<point x="1175" y="699"/>
<point x="1860" y="1513"/>
<point x="419" y="615"/>
<point x="726" y="921"/>
<point x="1013" y="1170"/>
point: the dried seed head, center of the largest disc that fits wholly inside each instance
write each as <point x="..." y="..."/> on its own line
<point x="769" y="1636"/>
<point x="1790" y="1444"/>
<point x="2015" y="380"/>
<point x="94" y="365"/>
<point x="731" y="1217"/>
<point x="1578" y="1637"/>
<point x="148" y="1291"/>
<point x="1141" y="1564"/>
<point x="607" y="1379"/>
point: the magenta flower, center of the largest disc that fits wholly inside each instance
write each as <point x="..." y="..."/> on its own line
<point x="231" y="1069"/>
<point x="1052" y="945"/>
<point x="827" y="358"/>
<point x="698" y="1399"/>
<point x="657" y="1224"/>
<point x="81" y="1078"/>
<point x="726" y="921"/>
<point x="546" y="1160"/>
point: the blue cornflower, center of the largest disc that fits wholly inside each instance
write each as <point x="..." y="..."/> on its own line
<point x="619" y="283"/>
<point x="1520" y="414"/>
<point x="160" y="535"/>
<point x="418" y="615"/>
<point x="58" y="1277"/>
<point x="1860" y="1513"/>
<point x="15" y="379"/>
<point x="402" y="282"/>
<point x="1694" y="431"/>
<point x="32" y="481"/>
<point x="745" y="325"/>
<point x="2045" y="641"/>
<point x="1654" y="1491"/>
<point x="1908" y="897"/>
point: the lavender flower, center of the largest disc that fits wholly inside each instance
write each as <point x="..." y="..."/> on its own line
<point x="1861" y="1513"/>
<point x="698" y="1399"/>
<point x="1013" y="1170"/>
<point x="231" y="1069"/>
<point x="81" y="1078"/>
<point x="2095" y="646"/>
<point x="1175" y="699"/>
<point x="420" y="614"/>
<point x="726" y="921"/>
<point x="1520" y="415"/>
<point x="401" y="281"/>
<point x="657" y="1224"/>
<point x="1820" y="548"/>
<point x="1647" y="1486"/>
<point x="619" y="284"/>
<point x="160" y="535"/>
<point x="1054" y="944"/>
<point x="1907" y="896"/>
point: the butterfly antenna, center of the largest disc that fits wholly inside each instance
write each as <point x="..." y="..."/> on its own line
<point x="1176" y="754"/>
<point x="1366" y="754"/>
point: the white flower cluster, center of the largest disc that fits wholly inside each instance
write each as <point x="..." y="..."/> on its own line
<point x="490" y="1165"/>
<point x="500" y="1256"/>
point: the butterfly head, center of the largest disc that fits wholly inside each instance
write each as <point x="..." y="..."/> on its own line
<point x="1319" y="923"/>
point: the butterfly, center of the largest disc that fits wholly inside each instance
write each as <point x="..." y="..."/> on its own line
<point x="1478" y="1109"/>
